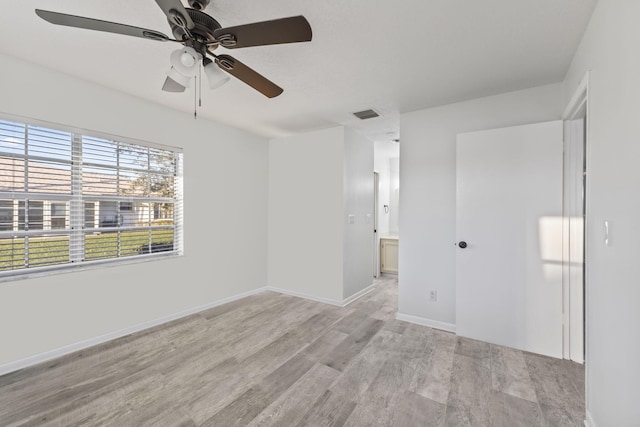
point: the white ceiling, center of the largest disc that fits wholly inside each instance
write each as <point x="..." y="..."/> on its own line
<point x="393" y="56"/>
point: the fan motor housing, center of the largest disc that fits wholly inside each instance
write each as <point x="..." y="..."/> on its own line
<point x="204" y="26"/>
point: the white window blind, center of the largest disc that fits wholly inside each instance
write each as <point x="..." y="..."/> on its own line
<point x="67" y="199"/>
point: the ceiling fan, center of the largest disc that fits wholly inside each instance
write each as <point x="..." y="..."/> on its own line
<point x="200" y="35"/>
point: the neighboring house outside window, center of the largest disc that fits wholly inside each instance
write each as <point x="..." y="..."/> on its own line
<point x="6" y="215"/>
<point x="67" y="198"/>
<point x="58" y="215"/>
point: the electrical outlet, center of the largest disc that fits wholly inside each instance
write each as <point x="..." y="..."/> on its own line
<point x="433" y="296"/>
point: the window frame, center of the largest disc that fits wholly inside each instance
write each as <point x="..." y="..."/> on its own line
<point x="76" y="227"/>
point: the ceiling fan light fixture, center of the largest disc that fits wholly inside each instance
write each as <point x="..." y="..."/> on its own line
<point x="171" y="85"/>
<point x="185" y="61"/>
<point x="179" y="78"/>
<point x="215" y="75"/>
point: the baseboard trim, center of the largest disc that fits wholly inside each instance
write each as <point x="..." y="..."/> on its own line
<point x="336" y="302"/>
<point x="305" y="296"/>
<point x="81" y="345"/>
<point x="358" y="294"/>
<point x="449" y="327"/>
<point x="588" y="422"/>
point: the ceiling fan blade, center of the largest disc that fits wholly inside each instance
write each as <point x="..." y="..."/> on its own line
<point x="285" y="30"/>
<point x="98" y="25"/>
<point x="249" y="76"/>
<point x="176" y="12"/>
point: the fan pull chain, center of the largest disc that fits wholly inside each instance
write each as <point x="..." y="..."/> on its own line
<point x="195" y="102"/>
<point x="200" y="86"/>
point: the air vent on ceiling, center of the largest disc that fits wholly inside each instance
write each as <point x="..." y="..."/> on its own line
<point x="366" y="114"/>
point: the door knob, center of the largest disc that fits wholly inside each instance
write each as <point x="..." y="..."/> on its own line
<point x="462" y="244"/>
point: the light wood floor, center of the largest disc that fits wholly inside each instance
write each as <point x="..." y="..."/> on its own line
<point x="277" y="360"/>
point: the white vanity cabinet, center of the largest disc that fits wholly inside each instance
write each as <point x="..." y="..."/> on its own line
<point x="389" y="255"/>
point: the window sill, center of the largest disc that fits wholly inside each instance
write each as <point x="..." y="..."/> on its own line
<point x="13" y="276"/>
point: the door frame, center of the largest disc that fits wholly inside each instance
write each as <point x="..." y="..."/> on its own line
<point x="579" y="100"/>
<point x="376" y="244"/>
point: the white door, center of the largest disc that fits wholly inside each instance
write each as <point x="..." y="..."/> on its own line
<point x="509" y="214"/>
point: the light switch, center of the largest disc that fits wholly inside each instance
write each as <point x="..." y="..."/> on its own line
<point x="352" y="219"/>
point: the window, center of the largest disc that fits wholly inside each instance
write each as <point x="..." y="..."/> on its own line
<point x="6" y="215"/>
<point x="35" y="216"/>
<point x="89" y="215"/>
<point x="68" y="198"/>
<point x="58" y="215"/>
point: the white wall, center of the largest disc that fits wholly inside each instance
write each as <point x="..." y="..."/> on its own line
<point x="610" y="50"/>
<point x="316" y="180"/>
<point x="358" y="201"/>
<point x="306" y="213"/>
<point x="428" y="180"/>
<point x="225" y="219"/>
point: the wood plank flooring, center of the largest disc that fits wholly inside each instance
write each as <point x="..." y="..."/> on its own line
<point x="277" y="360"/>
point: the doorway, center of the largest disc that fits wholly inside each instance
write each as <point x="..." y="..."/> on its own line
<point x="386" y="195"/>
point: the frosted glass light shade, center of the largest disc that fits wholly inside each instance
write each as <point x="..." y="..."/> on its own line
<point x="187" y="59"/>
<point x="181" y="58"/>
<point x="178" y="77"/>
<point x="215" y="75"/>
